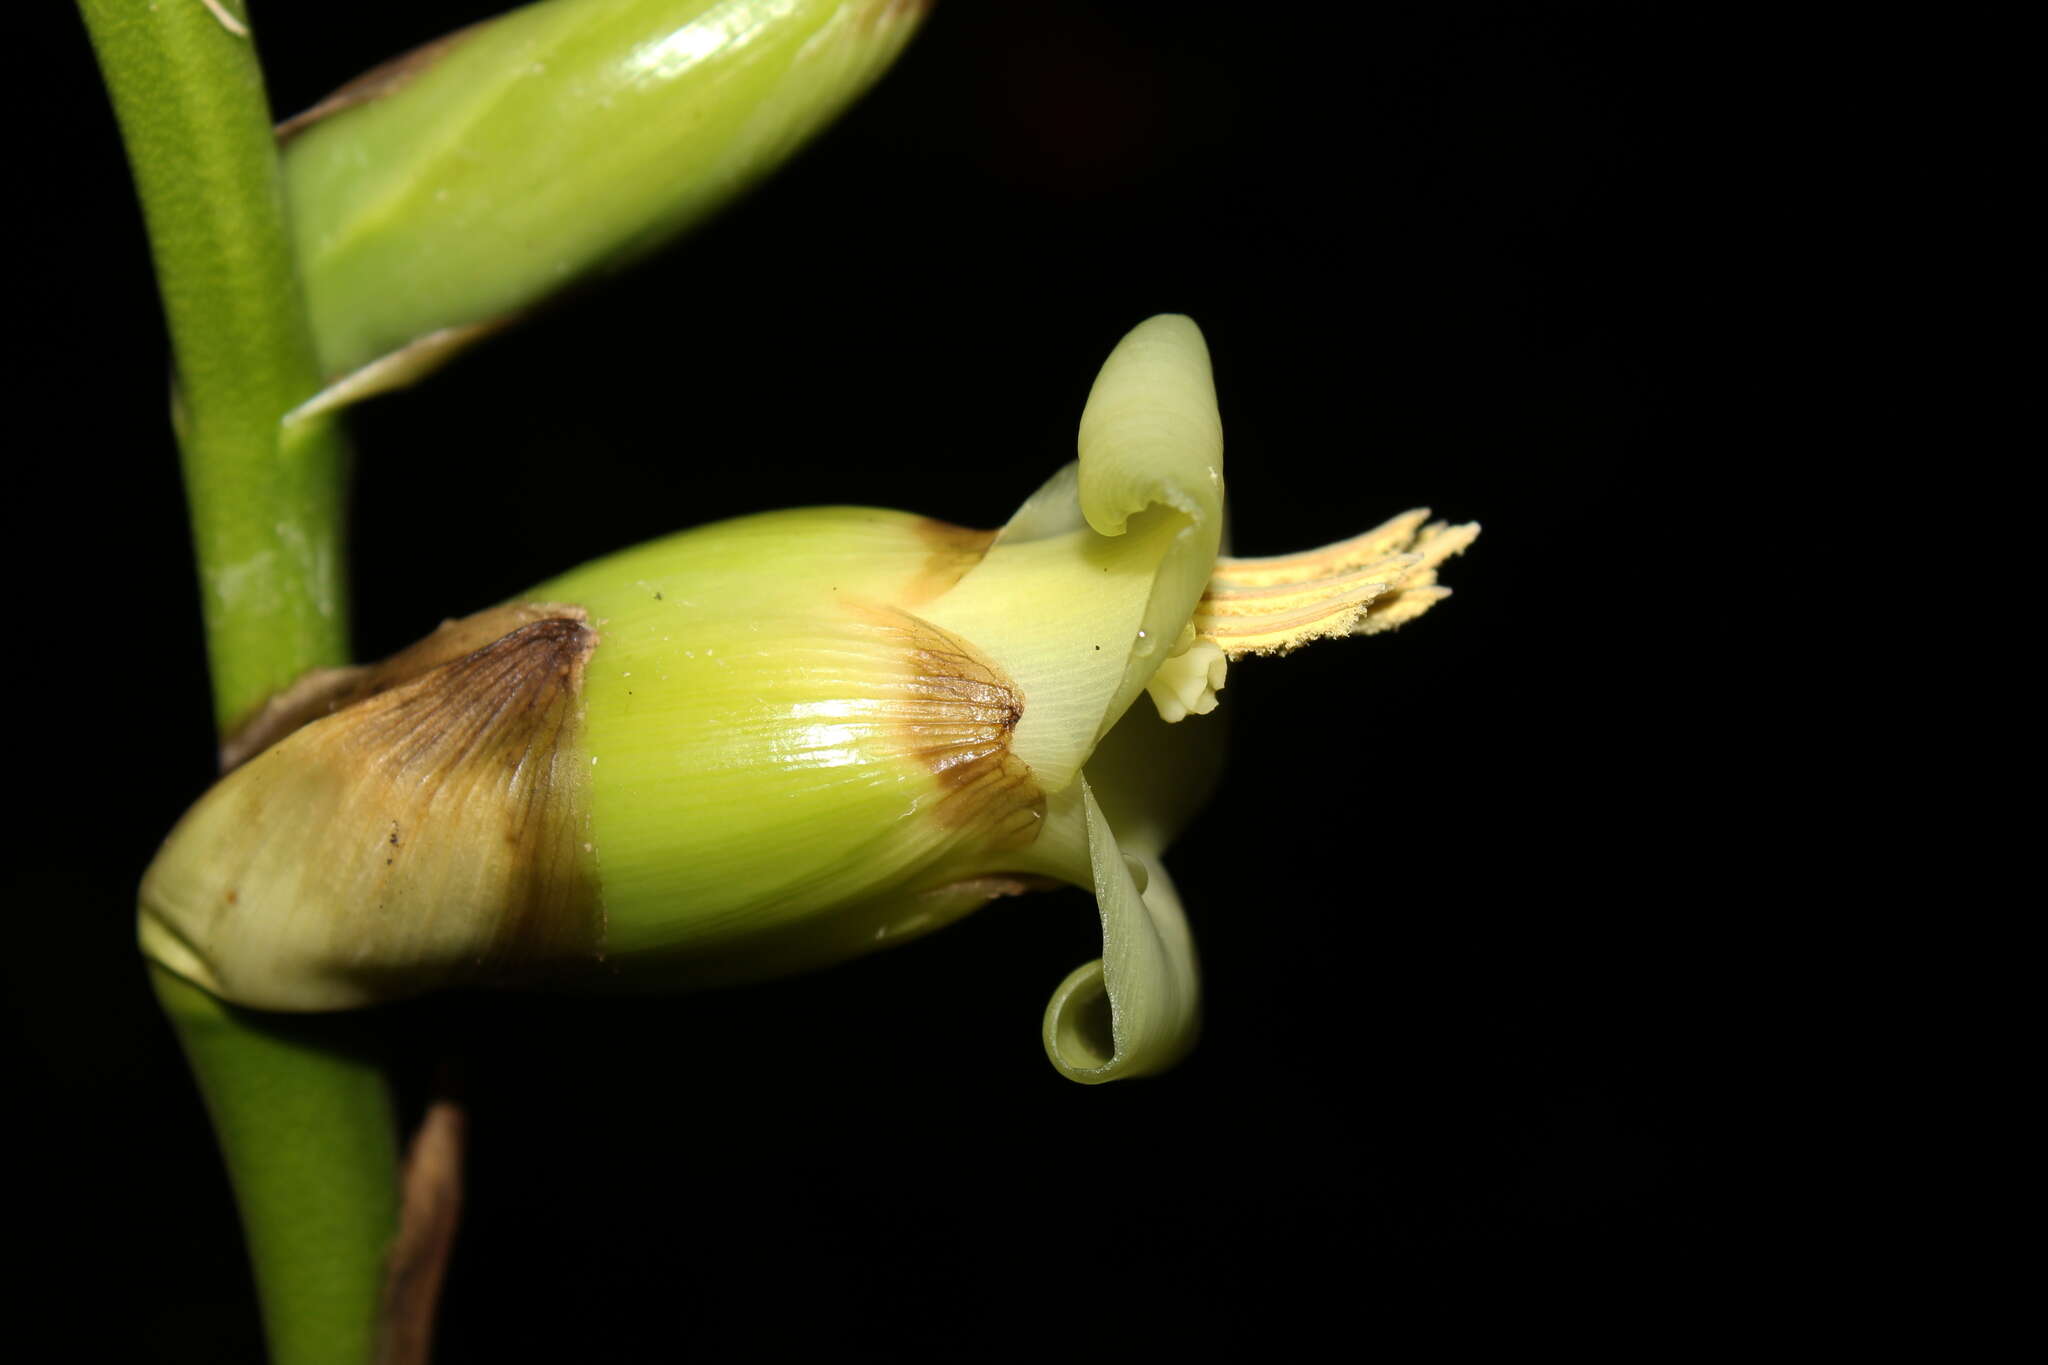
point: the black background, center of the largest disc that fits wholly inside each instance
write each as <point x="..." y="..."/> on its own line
<point x="1463" y="967"/>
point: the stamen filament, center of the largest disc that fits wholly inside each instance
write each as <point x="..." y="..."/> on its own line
<point x="1371" y="582"/>
<point x="1390" y="536"/>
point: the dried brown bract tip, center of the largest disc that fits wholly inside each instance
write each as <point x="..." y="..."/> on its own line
<point x="423" y="814"/>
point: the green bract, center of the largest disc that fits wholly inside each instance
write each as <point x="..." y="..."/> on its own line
<point x="480" y="176"/>
<point x="785" y="740"/>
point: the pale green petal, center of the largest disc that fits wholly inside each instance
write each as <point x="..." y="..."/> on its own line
<point x="1091" y="586"/>
<point x="1135" y="1010"/>
<point x="1150" y="432"/>
<point x="1059" y="615"/>
<point x="1151" y="777"/>
<point x="1151" y="437"/>
<point x="1054" y="510"/>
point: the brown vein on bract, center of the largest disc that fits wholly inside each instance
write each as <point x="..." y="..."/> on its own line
<point x="502" y="717"/>
<point x="956" y="715"/>
<point x="326" y="691"/>
<point x="471" y="760"/>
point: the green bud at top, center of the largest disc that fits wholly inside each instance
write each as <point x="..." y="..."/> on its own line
<point x="474" y="179"/>
<point x="785" y="740"/>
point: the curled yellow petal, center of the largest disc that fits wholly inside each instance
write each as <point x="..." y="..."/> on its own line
<point x="1137" y="1009"/>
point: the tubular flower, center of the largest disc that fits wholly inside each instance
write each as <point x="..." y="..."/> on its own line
<point x="785" y="740"/>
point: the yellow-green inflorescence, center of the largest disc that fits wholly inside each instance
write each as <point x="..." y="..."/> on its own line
<point x="785" y="740"/>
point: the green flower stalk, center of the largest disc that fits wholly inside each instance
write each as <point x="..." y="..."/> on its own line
<point x="782" y="741"/>
<point x="438" y="197"/>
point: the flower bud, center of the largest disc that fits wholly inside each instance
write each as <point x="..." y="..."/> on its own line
<point x="449" y="191"/>
<point x="782" y="741"/>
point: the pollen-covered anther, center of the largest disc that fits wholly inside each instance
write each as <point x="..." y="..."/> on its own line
<point x="1368" y="583"/>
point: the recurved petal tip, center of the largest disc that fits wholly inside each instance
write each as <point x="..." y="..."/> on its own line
<point x="1150" y="432"/>
<point x="1137" y="1009"/>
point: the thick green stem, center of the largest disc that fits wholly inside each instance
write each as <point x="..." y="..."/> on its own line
<point x="266" y="511"/>
<point x="305" y="1128"/>
<point x="305" y="1123"/>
